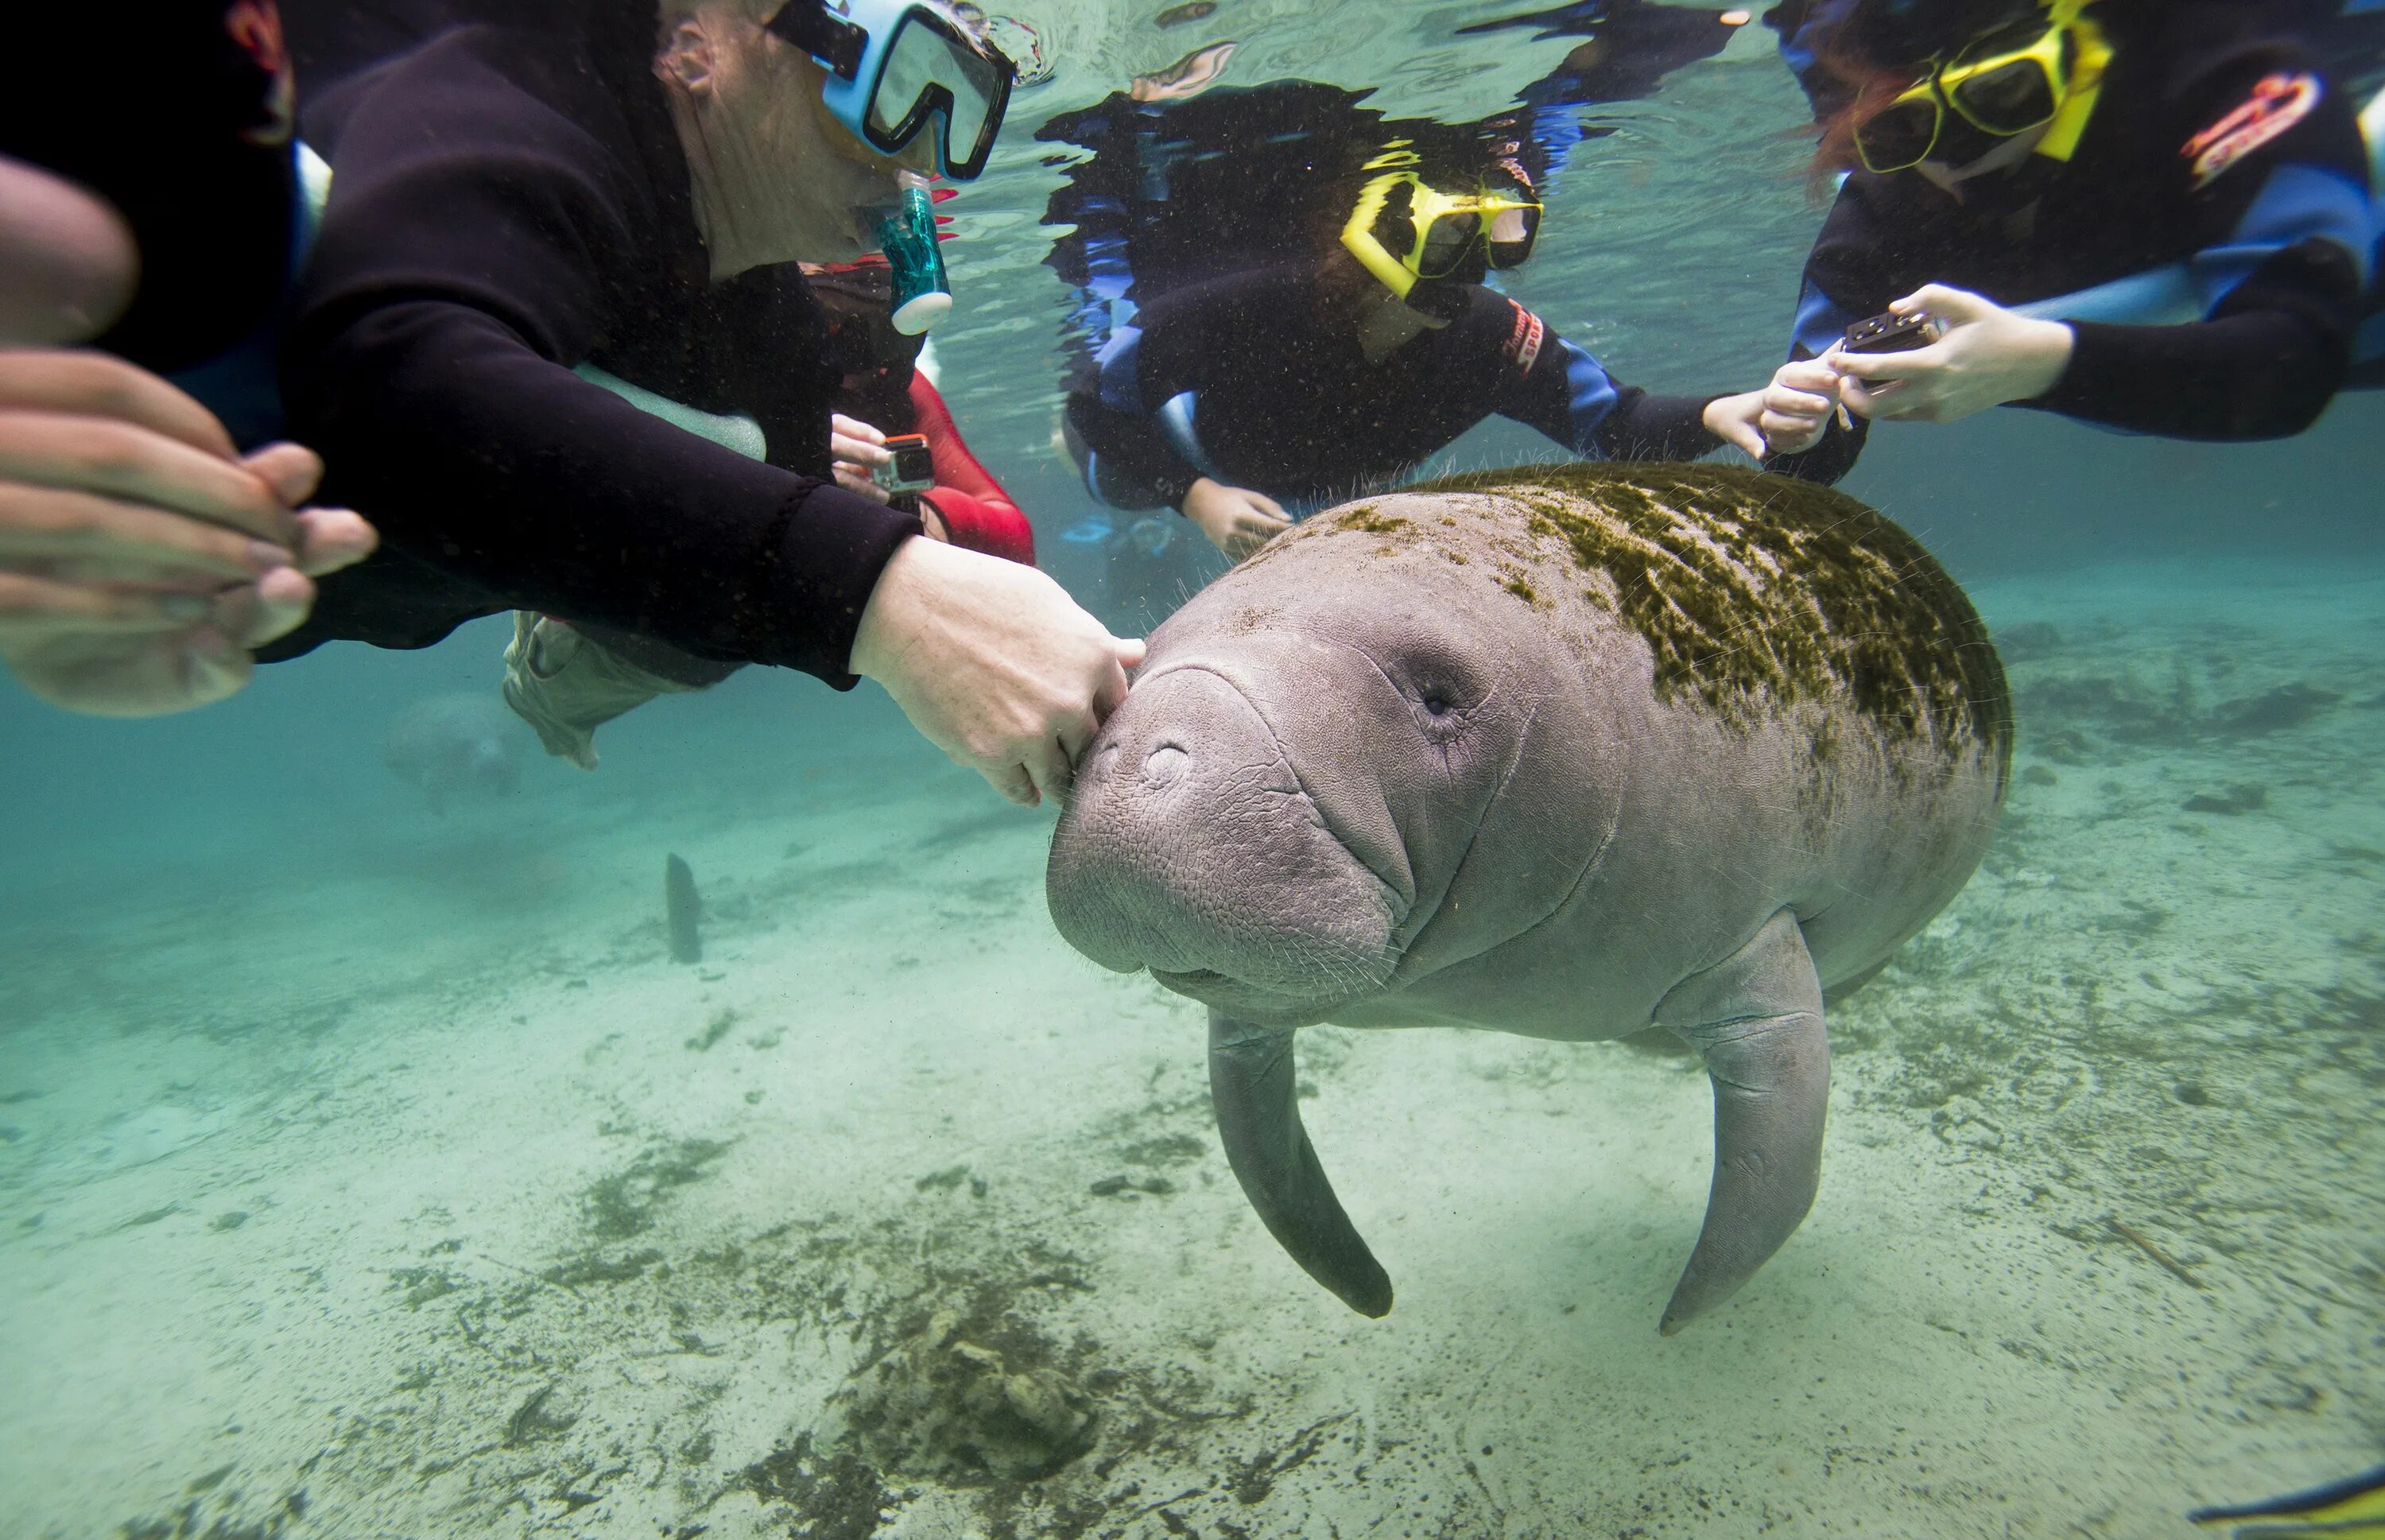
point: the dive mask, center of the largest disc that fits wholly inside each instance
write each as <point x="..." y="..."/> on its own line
<point x="1427" y="245"/>
<point x="895" y="63"/>
<point x="2006" y="84"/>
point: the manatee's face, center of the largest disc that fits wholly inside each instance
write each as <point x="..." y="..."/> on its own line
<point x="492" y="766"/>
<point x="1279" y="811"/>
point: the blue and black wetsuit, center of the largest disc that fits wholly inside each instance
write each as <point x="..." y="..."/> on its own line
<point x="1246" y="381"/>
<point x="2222" y="160"/>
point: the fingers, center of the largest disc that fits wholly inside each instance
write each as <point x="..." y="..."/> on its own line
<point x="1266" y="504"/>
<point x="36" y="607"/>
<point x="130" y="675"/>
<point x="1955" y="306"/>
<point x="1110" y="693"/>
<point x="116" y="458"/>
<point x="853" y="440"/>
<point x="1130" y="650"/>
<point x="1732" y="418"/>
<point x="95" y="384"/>
<point x="855" y="480"/>
<point x="276" y="605"/>
<point x="1789" y="435"/>
<point x="1882" y="366"/>
<point x="1865" y="399"/>
<point x="330" y="539"/>
<point x="1811" y="406"/>
<point x="1052" y="769"/>
<point x="1013" y="783"/>
<point x="106" y="540"/>
<point x="293" y="470"/>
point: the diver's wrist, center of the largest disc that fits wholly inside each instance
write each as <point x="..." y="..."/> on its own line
<point x="2043" y="357"/>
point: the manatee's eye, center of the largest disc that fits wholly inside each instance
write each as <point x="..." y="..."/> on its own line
<point x="1435" y="705"/>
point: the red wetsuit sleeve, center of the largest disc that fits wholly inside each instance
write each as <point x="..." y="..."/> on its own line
<point x="981" y="515"/>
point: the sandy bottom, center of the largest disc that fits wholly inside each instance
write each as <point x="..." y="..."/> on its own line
<point x="426" y="1197"/>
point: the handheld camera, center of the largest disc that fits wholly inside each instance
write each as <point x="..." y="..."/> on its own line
<point x="1889" y="332"/>
<point x="913" y="469"/>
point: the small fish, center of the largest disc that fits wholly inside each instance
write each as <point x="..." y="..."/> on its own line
<point x="682" y="911"/>
<point x="2352" y="1508"/>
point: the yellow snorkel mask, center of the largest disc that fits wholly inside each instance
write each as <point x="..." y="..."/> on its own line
<point x="1427" y="246"/>
<point x="2043" y="73"/>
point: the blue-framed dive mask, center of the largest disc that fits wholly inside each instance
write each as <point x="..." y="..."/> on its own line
<point x="894" y="65"/>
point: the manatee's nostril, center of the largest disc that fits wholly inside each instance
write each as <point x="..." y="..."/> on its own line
<point x="1165" y="764"/>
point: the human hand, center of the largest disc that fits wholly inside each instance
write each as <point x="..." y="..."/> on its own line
<point x="1787" y="416"/>
<point x="1236" y="519"/>
<point x="993" y="663"/>
<point x="859" y="448"/>
<point x="140" y="557"/>
<point x="1984" y="356"/>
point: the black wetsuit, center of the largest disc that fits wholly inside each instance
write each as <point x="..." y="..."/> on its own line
<point x="2277" y="242"/>
<point x="191" y="141"/>
<point x="1247" y="381"/>
<point x="508" y="204"/>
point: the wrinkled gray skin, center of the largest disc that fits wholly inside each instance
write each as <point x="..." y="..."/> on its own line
<point x="1364" y="779"/>
<point x="456" y="748"/>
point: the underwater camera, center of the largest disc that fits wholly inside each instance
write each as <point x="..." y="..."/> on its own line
<point x="1890" y="333"/>
<point x="913" y="467"/>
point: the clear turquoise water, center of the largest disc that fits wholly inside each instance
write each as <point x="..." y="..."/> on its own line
<point x="367" y="1172"/>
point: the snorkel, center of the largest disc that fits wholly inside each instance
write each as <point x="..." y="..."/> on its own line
<point x="906" y="234"/>
<point x="898" y="70"/>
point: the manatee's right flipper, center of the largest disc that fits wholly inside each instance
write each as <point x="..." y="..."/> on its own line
<point x="1756" y="1020"/>
<point x="1252" y="1086"/>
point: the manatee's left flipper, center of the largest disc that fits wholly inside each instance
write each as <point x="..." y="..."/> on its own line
<point x="1254" y="1085"/>
<point x="1756" y="1020"/>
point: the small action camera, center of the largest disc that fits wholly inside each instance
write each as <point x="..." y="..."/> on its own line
<point x="1890" y="333"/>
<point x="913" y="467"/>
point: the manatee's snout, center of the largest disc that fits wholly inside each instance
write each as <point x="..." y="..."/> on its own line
<point x="1191" y="848"/>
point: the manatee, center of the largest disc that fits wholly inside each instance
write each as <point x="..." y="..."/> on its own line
<point x="1574" y="752"/>
<point x="455" y="747"/>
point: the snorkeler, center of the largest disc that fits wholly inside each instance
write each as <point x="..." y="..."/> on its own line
<point x="514" y="208"/>
<point x="151" y="534"/>
<point x="884" y="389"/>
<point x="1325" y="377"/>
<point x="2149" y="214"/>
<point x="567" y="681"/>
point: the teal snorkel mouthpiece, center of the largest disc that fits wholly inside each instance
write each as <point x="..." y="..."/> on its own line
<point x="923" y="293"/>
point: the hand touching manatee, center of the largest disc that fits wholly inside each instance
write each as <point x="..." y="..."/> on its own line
<point x="1570" y="751"/>
<point x="993" y="663"/>
<point x="1236" y="519"/>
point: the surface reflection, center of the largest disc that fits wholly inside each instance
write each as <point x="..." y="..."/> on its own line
<point x="1283" y="296"/>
